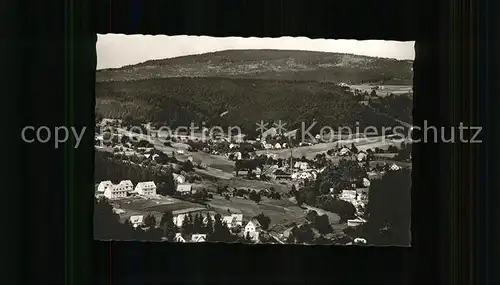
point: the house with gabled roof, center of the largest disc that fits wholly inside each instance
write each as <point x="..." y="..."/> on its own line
<point x="228" y="220"/>
<point x="184" y="189"/>
<point x="103" y="185"/>
<point x="115" y="191"/>
<point x="127" y="184"/>
<point x="146" y="188"/>
<point x="198" y="238"/>
<point x="253" y="229"/>
<point x="136" y="220"/>
<point x="179" y="178"/>
<point x="394" y="167"/>
<point x="237" y="219"/>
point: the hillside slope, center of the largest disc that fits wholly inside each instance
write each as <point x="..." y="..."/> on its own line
<point x="271" y="64"/>
<point x="178" y="101"/>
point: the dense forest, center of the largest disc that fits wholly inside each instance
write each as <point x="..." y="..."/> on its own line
<point x="180" y="101"/>
<point x="109" y="167"/>
<point x="389" y="210"/>
<point x="398" y="106"/>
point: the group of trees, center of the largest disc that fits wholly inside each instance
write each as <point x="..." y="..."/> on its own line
<point x="404" y="153"/>
<point x="255" y="196"/>
<point x="108" y="227"/>
<point x="332" y="180"/>
<point x="319" y="222"/>
<point x="108" y="167"/>
<point x="388" y="211"/>
<point x="180" y="101"/>
<point x="398" y="106"/>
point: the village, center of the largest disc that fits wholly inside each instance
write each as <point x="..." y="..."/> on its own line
<point x="259" y="189"/>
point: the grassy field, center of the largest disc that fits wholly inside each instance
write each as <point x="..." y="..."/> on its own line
<point x="214" y="162"/>
<point x="279" y="213"/>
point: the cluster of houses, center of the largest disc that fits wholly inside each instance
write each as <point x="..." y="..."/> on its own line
<point x="251" y="230"/>
<point x="125" y="188"/>
<point x="148" y="188"/>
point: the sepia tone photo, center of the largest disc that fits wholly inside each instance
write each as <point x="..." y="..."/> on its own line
<point x="253" y="140"/>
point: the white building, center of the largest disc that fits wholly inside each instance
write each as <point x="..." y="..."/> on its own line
<point x="179" y="238"/>
<point x="360" y="240"/>
<point x="136" y="220"/>
<point x="237" y="219"/>
<point x="103" y="185"/>
<point x="394" y="167"/>
<point x="361" y="156"/>
<point x="127" y="184"/>
<point x="184" y="189"/>
<point x="277" y="146"/>
<point x="237" y="155"/>
<point x="233" y="221"/>
<point x="253" y="229"/>
<point x="355" y="222"/>
<point x="268" y="146"/>
<point x="146" y="188"/>
<point x="349" y="196"/>
<point x="179" y="219"/>
<point x="199" y="238"/>
<point x="303" y="175"/>
<point x="116" y="191"/>
<point x="301" y="165"/>
<point x="344" y="151"/>
<point x="258" y="172"/>
<point x="179" y="178"/>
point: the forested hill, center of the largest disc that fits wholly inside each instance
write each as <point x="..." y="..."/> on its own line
<point x="271" y="64"/>
<point x="179" y="101"/>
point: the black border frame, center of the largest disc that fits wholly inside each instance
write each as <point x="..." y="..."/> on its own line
<point x="57" y="56"/>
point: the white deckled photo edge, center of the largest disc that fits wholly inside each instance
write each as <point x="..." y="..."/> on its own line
<point x="253" y="140"/>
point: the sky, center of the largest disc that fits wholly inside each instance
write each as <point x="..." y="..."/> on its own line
<point x="117" y="50"/>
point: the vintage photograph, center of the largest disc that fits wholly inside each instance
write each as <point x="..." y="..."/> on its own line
<point x="284" y="140"/>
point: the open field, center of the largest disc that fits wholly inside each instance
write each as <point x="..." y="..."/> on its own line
<point x="257" y="185"/>
<point x="332" y="217"/>
<point x="394" y="89"/>
<point x="140" y="206"/>
<point x="213" y="173"/>
<point x="278" y="214"/>
<point x="216" y="161"/>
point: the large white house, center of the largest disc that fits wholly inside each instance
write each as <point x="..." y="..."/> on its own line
<point x="253" y="229"/>
<point x="116" y="191"/>
<point x="198" y="238"/>
<point x="394" y="167"/>
<point x="146" y="188"/>
<point x="128" y="185"/>
<point x="103" y="185"/>
<point x="136" y="220"/>
<point x="179" y="178"/>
